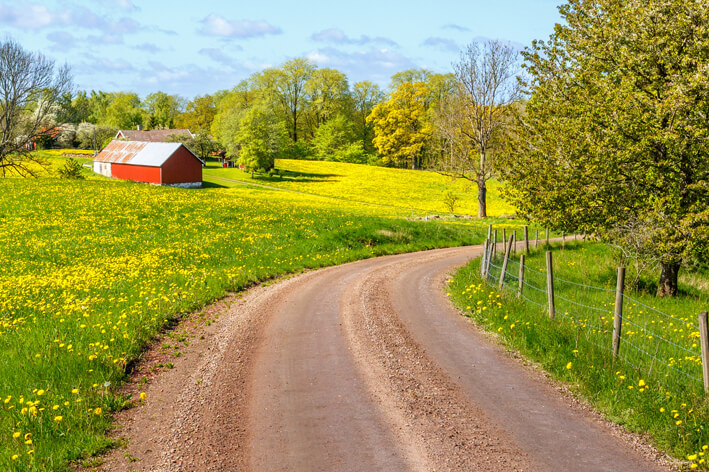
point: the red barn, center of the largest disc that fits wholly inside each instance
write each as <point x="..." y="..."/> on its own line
<point x="155" y="163"/>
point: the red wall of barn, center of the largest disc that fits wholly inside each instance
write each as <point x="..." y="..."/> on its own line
<point x="182" y="167"/>
<point x="136" y="173"/>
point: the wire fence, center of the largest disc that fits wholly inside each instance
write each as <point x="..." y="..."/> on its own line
<point x="659" y="345"/>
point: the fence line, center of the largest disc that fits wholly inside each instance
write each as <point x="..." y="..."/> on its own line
<point x="589" y="308"/>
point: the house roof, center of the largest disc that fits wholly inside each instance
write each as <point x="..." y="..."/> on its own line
<point x="139" y="153"/>
<point x="152" y="136"/>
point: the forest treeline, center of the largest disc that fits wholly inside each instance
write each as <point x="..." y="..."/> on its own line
<point x="296" y="110"/>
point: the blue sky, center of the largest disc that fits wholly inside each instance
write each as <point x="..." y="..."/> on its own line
<point x="197" y="47"/>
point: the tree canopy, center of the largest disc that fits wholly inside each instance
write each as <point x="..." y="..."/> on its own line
<point x="616" y="129"/>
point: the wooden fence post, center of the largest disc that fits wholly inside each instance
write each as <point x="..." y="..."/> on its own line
<point x="521" y="276"/>
<point x="483" y="259"/>
<point x="494" y="243"/>
<point x="563" y="240"/>
<point x="489" y="231"/>
<point x="504" y="235"/>
<point x="504" y="263"/>
<point x="546" y="231"/>
<point x="704" y="340"/>
<point x="514" y="238"/>
<point x="618" y="316"/>
<point x="526" y="239"/>
<point x="550" y="285"/>
<point x="536" y="240"/>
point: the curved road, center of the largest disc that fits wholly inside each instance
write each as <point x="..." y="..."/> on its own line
<point x="368" y="367"/>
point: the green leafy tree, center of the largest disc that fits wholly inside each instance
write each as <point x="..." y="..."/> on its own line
<point x="334" y="141"/>
<point x="198" y="115"/>
<point x="288" y="86"/>
<point x="163" y="109"/>
<point x="364" y="97"/>
<point x="124" y="111"/>
<point x="616" y="126"/>
<point x="328" y="94"/>
<point x="262" y="137"/>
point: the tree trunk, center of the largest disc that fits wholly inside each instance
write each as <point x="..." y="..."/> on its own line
<point x="482" y="199"/>
<point x="668" y="279"/>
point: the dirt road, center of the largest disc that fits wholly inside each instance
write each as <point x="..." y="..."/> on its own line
<point x="362" y="367"/>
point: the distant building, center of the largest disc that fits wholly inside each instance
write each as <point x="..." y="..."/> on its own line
<point x="155" y="163"/>
<point x="151" y="136"/>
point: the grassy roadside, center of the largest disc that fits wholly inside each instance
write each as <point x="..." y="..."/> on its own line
<point x="93" y="269"/>
<point x="675" y="414"/>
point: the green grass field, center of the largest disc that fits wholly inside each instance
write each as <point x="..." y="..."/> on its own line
<point x="656" y="385"/>
<point x="93" y="269"/>
<point x="397" y="191"/>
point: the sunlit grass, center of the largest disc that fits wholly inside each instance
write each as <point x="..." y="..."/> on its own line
<point x="405" y="191"/>
<point x="92" y="269"/>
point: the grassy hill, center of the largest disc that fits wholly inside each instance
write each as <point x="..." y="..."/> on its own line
<point x="397" y="191"/>
<point x="93" y="269"/>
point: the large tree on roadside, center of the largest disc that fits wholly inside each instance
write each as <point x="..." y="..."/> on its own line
<point x="474" y="115"/>
<point x="616" y="128"/>
<point x="29" y="90"/>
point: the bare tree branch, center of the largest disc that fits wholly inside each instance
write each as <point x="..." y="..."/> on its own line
<point x="29" y="88"/>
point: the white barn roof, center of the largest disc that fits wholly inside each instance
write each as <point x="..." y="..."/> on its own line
<point x="139" y="153"/>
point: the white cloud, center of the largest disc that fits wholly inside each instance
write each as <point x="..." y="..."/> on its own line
<point x="62" y="40"/>
<point x="337" y="36"/>
<point x="218" y="55"/>
<point x="215" y="25"/>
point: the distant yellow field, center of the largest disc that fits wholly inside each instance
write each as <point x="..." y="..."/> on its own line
<point x="405" y="190"/>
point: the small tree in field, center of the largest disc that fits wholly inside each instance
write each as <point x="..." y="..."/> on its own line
<point x="262" y="137"/>
<point x="29" y="90"/>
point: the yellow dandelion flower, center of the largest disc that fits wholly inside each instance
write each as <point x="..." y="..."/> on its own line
<point x="569" y="365"/>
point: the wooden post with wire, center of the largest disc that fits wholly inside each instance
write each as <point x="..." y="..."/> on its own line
<point x="704" y="340"/>
<point x="563" y="240"/>
<point x="514" y="245"/>
<point x="618" y="315"/>
<point x="536" y="239"/>
<point x="484" y="258"/>
<point x="504" y="263"/>
<point x="526" y="239"/>
<point x="546" y="231"/>
<point x="550" y="285"/>
<point x="521" y="275"/>
<point x="489" y="231"/>
<point x="504" y="235"/>
<point x="494" y="243"/>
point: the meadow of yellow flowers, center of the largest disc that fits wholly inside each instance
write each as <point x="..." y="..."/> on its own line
<point x="91" y="270"/>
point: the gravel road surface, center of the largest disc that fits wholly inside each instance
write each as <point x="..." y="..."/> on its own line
<point x="359" y="367"/>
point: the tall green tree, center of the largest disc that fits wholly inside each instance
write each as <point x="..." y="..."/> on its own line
<point x="328" y="94"/>
<point x="616" y="126"/>
<point x="262" y="137"/>
<point x="124" y="110"/>
<point x="289" y="87"/>
<point x="163" y="109"/>
<point x="365" y="96"/>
